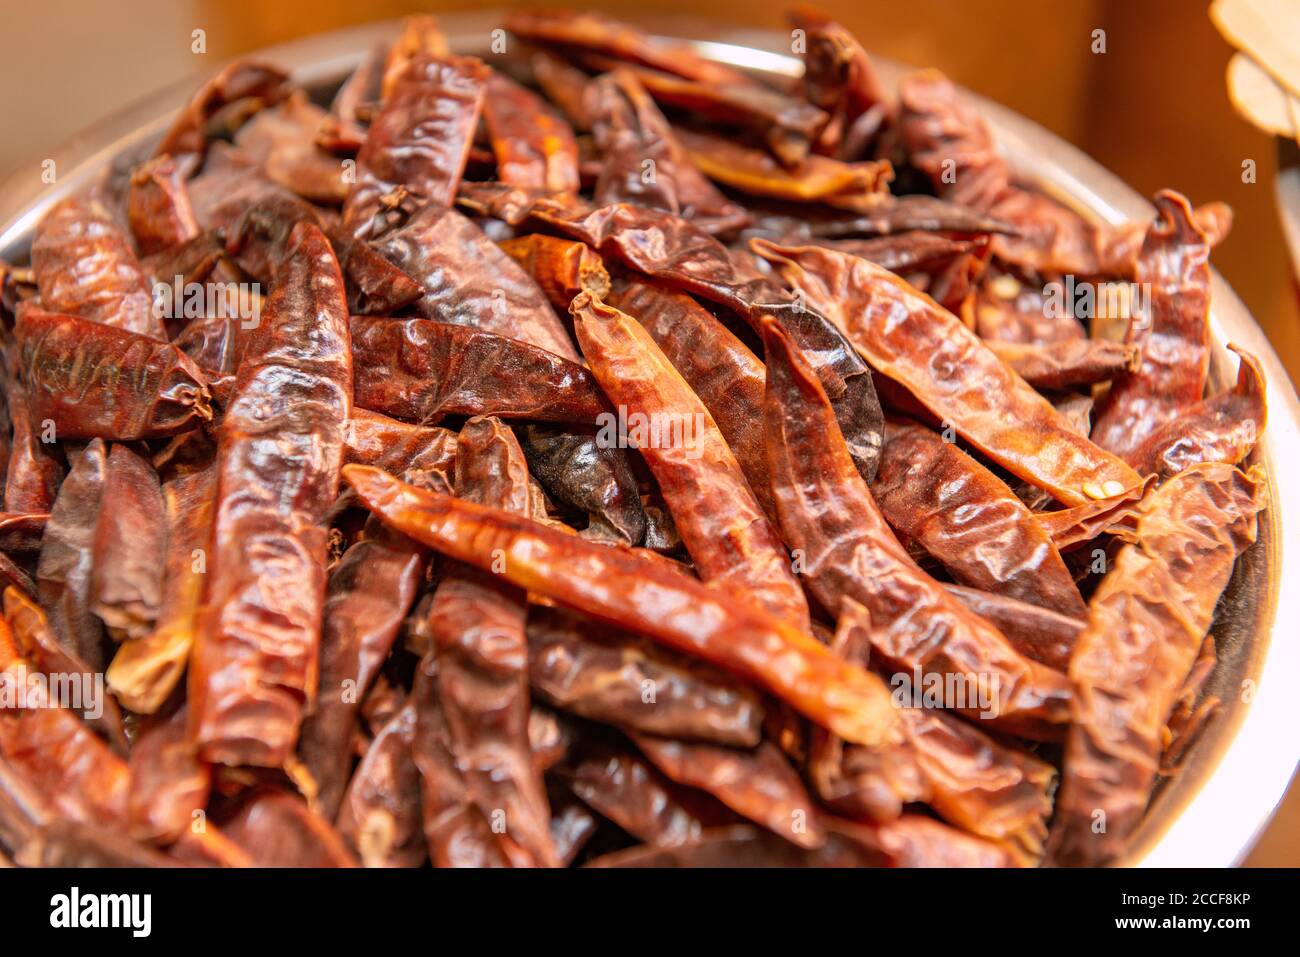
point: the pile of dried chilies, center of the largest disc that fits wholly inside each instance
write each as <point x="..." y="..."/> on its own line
<point x="589" y="459"/>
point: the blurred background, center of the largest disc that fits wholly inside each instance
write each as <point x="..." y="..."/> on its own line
<point x="1153" y="108"/>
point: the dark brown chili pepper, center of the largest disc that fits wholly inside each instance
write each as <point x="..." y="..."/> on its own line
<point x="468" y="281"/>
<point x="1222" y="428"/>
<point x="159" y="206"/>
<point x="94" y="381"/>
<point x="561" y="267"/>
<point x="967" y="518"/>
<point x="146" y="670"/>
<point x="126" y="586"/>
<point x="925" y="348"/>
<point x="422" y="371"/>
<point x="281" y="445"/>
<point x="244" y="84"/>
<point x="534" y="146"/>
<point x="420" y="138"/>
<point x="85" y="266"/>
<point x="1146" y="624"/>
<point x="1172" y="331"/>
<point x="582" y="473"/>
<point x="612" y="677"/>
<point x="846" y="549"/>
<point x="729" y="538"/>
<point x="628" y="590"/>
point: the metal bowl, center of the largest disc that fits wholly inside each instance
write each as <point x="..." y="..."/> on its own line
<point x="1236" y="772"/>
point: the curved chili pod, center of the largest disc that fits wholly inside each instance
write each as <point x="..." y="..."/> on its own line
<point x="611" y="677"/>
<point x="534" y="146"/>
<point x="421" y="371"/>
<point x="245" y="85"/>
<point x="380" y="814"/>
<point x="581" y="472"/>
<point x="483" y="797"/>
<point x="561" y="267"/>
<point x="420" y="138"/>
<point x="720" y="369"/>
<point x="469" y="281"/>
<point x="759" y="785"/>
<point x="66" y="564"/>
<point x="847" y="550"/>
<point x="967" y="518"/>
<point x="370" y="591"/>
<point x="911" y="339"/>
<point x="158" y="206"/>
<point x="642" y="161"/>
<point x="625" y="589"/>
<point x="93" y="381"/>
<point x="127" y="580"/>
<point x="838" y="78"/>
<point x="1172" y="332"/>
<point x="724" y="529"/>
<point x="1146" y="623"/>
<point x="1222" y="428"/>
<point x="85" y="266"/>
<point x="1067" y="364"/>
<point x="146" y="670"/>
<point x="904" y="252"/>
<point x="281" y="445"/>
<point x="630" y="791"/>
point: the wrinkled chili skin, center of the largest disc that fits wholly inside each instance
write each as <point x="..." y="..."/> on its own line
<point x="625" y="589"/>
<point x="420" y="371"/>
<point x="281" y="445"/>
<point x="1146" y="624"/>
<point x="1038" y="633"/>
<point x="1067" y="364"/>
<point x="158" y="207"/>
<point x="468" y="281"/>
<point x="968" y="519"/>
<point x="380" y="813"/>
<point x="911" y="339"/>
<point x="828" y="515"/>
<point x="1174" y="338"/>
<point x="560" y="267"/>
<point x="729" y="538"/>
<point x="1222" y="428"/>
<point x="66" y="564"/>
<point x="472" y="746"/>
<point x="420" y="138"/>
<point x="534" y="146"/>
<point x="579" y="471"/>
<point x="127" y="580"/>
<point x="85" y="266"/>
<point x="602" y="674"/>
<point x="370" y="591"/>
<point x="243" y="80"/>
<point x="93" y="381"/>
<point x="395" y="446"/>
<point x="146" y="670"/>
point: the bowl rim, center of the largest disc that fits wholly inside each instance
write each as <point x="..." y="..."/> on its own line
<point x="1243" y="782"/>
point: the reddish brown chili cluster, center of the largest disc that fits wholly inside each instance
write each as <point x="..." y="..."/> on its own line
<point x="583" y="455"/>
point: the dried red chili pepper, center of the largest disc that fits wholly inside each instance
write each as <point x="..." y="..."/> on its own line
<point x="420" y="138"/>
<point x="276" y="829"/>
<point x="159" y="206"/>
<point x="564" y="85"/>
<point x="1038" y="633"/>
<point x="642" y="161"/>
<point x="633" y="592"/>
<point x="283" y="141"/>
<point x="244" y="85"/>
<point x="380" y="814"/>
<point x="1222" y="428"/>
<point x="34" y="470"/>
<point x="468" y="281"/>
<point x="1146" y="623"/>
<point x="968" y="519"/>
<point x="126" y="586"/>
<point x="612" y="677"/>
<point x="484" y="801"/>
<point x="561" y="268"/>
<point x="1172" y="331"/>
<point x="846" y="550"/>
<point x="93" y="381"/>
<point x="534" y="146"/>
<point x="1067" y="364"/>
<point x="85" y="266"/>
<point x="582" y="473"/>
<point x="146" y="670"/>
<point x="724" y="529"/>
<point x="281" y="445"/>
<point x="168" y="796"/>
<point x="374" y="439"/>
<point x="944" y="365"/>
<point x="421" y="371"/>
<point x="838" y="77"/>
